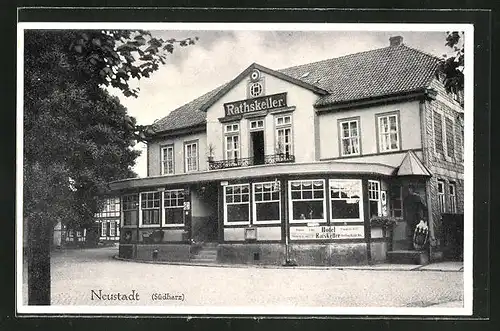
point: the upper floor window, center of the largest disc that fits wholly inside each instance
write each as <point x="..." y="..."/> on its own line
<point x="256" y="125"/>
<point x="284" y="135"/>
<point x="191" y="154"/>
<point x="232" y="139"/>
<point x="388" y="130"/>
<point x="167" y="157"/>
<point x="438" y="132"/>
<point x="349" y="137"/>
<point x="450" y="137"/>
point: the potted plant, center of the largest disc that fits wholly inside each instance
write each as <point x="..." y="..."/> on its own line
<point x="211" y="149"/>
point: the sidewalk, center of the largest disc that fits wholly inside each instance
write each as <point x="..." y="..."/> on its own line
<point x="449" y="266"/>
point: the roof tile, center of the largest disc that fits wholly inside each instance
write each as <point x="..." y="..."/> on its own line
<point x="368" y="74"/>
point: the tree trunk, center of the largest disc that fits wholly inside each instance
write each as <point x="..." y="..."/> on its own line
<point x="39" y="239"/>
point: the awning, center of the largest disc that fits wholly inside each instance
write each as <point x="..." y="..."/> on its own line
<point x="412" y="166"/>
<point x="324" y="167"/>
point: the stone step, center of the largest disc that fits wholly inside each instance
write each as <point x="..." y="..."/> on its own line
<point x="408" y="257"/>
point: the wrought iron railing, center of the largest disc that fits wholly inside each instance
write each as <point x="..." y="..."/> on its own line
<point x="250" y="161"/>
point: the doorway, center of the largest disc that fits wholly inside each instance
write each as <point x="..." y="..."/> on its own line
<point x="257" y="140"/>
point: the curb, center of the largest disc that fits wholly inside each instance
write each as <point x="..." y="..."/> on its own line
<point x="261" y="266"/>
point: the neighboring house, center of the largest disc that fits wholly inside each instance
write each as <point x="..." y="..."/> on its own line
<point x="108" y="220"/>
<point x="295" y="163"/>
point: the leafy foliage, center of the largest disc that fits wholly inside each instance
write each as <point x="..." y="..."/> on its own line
<point x="77" y="137"/>
<point x="450" y="69"/>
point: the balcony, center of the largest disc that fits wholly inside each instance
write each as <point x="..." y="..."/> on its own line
<point x="250" y="161"/>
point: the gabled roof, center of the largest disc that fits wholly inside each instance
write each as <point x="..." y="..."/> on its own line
<point x="412" y="166"/>
<point x="376" y="73"/>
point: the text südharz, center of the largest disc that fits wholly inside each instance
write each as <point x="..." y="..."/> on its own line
<point x="116" y="296"/>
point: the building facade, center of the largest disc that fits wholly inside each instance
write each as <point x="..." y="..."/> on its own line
<point x="306" y="164"/>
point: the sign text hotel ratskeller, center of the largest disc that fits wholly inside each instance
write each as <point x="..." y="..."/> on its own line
<point x="267" y="102"/>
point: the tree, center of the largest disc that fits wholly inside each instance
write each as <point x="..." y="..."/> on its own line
<point x="450" y="69"/>
<point x="77" y="137"/>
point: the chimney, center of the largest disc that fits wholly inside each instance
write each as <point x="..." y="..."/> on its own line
<point x="395" y="41"/>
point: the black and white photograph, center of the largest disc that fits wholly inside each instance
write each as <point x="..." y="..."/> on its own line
<point x="244" y="168"/>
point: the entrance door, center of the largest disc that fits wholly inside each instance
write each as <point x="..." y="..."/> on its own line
<point x="257" y="138"/>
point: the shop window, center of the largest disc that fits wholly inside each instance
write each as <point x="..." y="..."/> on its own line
<point x="150" y="206"/>
<point x="345" y="199"/>
<point x="167" y="164"/>
<point x="450" y="137"/>
<point x="349" y="137"/>
<point x="452" y="197"/>
<point x="307" y="200"/>
<point x="104" y="230"/>
<point x="130" y="209"/>
<point x="388" y="130"/>
<point x="266" y="202"/>
<point x="438" y="132"/>
<point x="396" y="200"/>
<point x="441" y="195"/>
<point x="173" y="204"/>
<point x="237" y="204"/>
<point x="374" y="198"/>
<point x="284" y="135"/>
<point x="232" y="138"/>
<point x="191" y="155"/>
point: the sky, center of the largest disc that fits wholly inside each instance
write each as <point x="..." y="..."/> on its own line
<point x="219" y="56"/>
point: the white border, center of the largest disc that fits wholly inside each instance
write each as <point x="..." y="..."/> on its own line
<point x="468" y="170"/>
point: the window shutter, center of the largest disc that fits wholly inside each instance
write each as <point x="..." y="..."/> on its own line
<point x="438" y="133"/>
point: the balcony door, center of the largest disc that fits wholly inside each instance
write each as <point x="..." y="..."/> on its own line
<point x="257" y="146"/>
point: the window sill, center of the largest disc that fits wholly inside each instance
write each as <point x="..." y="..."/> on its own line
<point x="306" y="221"/>
<point x="174" y="225"/>
<point x="237" y="223"/>
<point x="149" y="225"/>
<point x="266" y="222"/>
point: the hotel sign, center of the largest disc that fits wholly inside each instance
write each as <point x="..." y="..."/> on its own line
<point x="267" y="102"/>
<point x="327" y="232"/>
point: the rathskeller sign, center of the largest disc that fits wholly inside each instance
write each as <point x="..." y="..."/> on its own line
<point x="267" y="102"/>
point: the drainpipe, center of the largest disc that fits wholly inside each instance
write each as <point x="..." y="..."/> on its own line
<point x="288" y="261"/>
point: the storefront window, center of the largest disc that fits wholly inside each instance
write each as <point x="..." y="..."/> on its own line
<point x="173" y="204"/>
<point x="453" y="198"/>
<point x="441" y="199"/>
<point x="267" y="202"/>
<point x="307" y="200"/>
<point x="150" y="205"/>
<point x="395" y="200"/>
<point x="374" y="197"/>
<point x="130" y="209"/>
<point x="237" y="204"/>
<point x="345" y="198"/>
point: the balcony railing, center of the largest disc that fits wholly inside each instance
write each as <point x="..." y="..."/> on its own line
<point x="250" y="161"/>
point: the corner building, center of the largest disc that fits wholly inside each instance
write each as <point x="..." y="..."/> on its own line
<point x="298" y="163"/>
